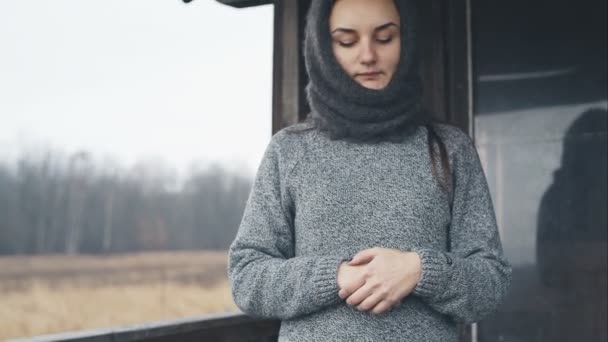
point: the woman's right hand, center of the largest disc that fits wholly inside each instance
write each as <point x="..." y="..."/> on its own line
<point x="350" y="278"/>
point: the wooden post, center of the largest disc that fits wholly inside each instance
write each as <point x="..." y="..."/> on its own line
<point x="288" y="79"/>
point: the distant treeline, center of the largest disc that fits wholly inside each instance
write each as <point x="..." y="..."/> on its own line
<point x="51" y="203"/>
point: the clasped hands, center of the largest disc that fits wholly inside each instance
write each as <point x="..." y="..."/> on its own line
<point x="377" y="279"/>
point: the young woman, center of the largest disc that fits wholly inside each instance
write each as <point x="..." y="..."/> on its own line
<point x="368" y="222"/>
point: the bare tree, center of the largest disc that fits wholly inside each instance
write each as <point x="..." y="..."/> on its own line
<point x="56" y="204"/>
<point x="78" y="167"/>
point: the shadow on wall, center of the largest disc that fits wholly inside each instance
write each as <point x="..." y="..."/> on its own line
<point x="572" y="234"/>
<point x="562" y="298"/>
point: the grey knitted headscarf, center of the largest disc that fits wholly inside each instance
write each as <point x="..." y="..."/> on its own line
<point x="345" y="109"/>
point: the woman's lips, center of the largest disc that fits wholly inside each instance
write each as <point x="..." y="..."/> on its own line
<point x="369" y="75"/>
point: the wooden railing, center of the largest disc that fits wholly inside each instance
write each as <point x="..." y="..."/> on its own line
<point x="225" y="327"/>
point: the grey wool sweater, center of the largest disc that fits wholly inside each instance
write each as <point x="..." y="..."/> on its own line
<point x="316" y="202"/>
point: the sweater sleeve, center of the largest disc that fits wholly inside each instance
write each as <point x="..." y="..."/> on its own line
<point x="471" y="280"/>
<point x="266" y="278"/>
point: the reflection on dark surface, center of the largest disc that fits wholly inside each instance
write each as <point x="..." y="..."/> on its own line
<point x="550" y="194"/>
<point x="571" y="237"/>
<point x="541" y="130"/>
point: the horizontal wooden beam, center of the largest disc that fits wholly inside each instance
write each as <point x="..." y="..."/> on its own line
<point x="223" y="327"/>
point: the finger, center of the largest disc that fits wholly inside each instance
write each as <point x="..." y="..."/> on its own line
<point x="363" y="257"/>
<point x="382" y="307"/>
<point x="370" y="302"/>
<point x="354" y="285"/>
<point x="358" y="296"/>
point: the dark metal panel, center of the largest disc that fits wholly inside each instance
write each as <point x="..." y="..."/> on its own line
<point x="527" y="47"/>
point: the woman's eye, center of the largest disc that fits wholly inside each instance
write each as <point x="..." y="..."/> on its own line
<point x="346" y="44"/>
<point x="384" y="40"/>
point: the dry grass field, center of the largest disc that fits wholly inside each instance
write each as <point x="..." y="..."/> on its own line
<point x="51" y="294"/>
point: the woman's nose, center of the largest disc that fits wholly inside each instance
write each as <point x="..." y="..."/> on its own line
<point x="368" y="53"/>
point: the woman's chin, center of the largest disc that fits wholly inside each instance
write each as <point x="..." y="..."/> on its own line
<point x="373" y="84"/>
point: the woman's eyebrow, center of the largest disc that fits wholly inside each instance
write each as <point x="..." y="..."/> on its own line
<point x="345" y="30"/>
<point x="379" y="28"/>
<point x="382" y="27"/>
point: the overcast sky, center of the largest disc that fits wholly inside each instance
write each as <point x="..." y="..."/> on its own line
<point x="137" y="80"/>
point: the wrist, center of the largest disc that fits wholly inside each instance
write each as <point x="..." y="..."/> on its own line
<point x="416" y="265"/>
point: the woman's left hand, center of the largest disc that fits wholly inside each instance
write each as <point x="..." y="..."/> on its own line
<point x="390" y="275"/>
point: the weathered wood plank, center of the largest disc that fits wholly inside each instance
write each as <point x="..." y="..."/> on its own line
<point x="223" y="327"/>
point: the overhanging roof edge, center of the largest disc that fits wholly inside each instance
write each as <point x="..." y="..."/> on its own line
<point x="245" y="3"/>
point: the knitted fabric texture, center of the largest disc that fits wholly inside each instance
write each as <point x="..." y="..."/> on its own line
<point x="345" y="109"/>
<point x="316" y="202"/>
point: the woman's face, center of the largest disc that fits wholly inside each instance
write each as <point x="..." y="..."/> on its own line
<point x="366" y="40"/>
